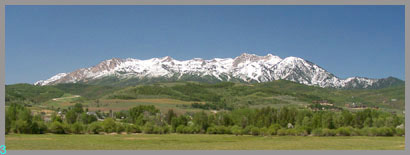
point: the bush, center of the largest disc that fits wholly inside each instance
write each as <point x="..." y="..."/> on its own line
<point x="384" y="131"/>
<point x="365" y="132"/>
<point x="355" y="132"/>
<point x="67" y="127"/>
<point x="109" y="125"/>
<point x="77" y="128"/>
<point x="148" y="128"/>
<point x="57" y="128"/>
<point x="180" y="129"/>
<point x="38" y="127"/>
<point x="42" y="127"/>
<point x="195" y="129"/>
<point x="263" y="131"/>
<point x="317" y="132"/>
<point x="400" y="132"/>
<point x="22" y="127"/>
<point x="344" y="131"/>
<point x="236" y="130"/>
<point x="157" y="130"/>
<point x="301" y="132"/>
<point x="255" y="131"/>
<point x="273" y="129"/>
<point x="95" y="128"/>
<point x="222" y="130"/>
<point x="167" y="129"/>
<point x="120" y="128"/>
<point x="328" y="132"/>
<point x="187" y="130"/>
<point x="247" y="130"/>
<point x="282" y="132"/>
<point x="131" y="128"/>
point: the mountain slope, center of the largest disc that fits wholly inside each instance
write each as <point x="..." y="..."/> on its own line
<point x="247" y="68"/>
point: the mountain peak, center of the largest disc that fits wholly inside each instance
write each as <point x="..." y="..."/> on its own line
<point x="166" y="59"/>
<point x="243" y="68"/>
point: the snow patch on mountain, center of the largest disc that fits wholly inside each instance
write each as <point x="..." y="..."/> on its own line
<point x="247" y="67"/>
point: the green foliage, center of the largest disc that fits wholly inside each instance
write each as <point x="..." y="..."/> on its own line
<point x="120" y="128"/>
<point x="31" y="93"/>
<point x="57" y="128"/>
<point x="95" y="128"/>
<point x="255" y="131"/>
<point x="136" y="113"/>
<point x="109" y="125"/>
<point x="71" y="117"/>
<point x="344" y="131"/>
<point x="86" y="90"/>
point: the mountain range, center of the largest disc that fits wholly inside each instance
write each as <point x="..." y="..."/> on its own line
<point x="247" y="68"/>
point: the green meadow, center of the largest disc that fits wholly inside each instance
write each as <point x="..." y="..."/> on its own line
<point x="198" y="142"/>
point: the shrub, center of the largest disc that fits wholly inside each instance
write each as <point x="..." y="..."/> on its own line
<point x="365" y="132"/>
<point x="374" y="132"/>
<point x="344" y="131"/>
<point x="148" y="128"/>
<point x="273" y="129"/>
<point x="282" y="132"/>
<point x="67" y="127"/>
<point x="317" y="132"/>
<point x="355" y="132"/>
<point x="301" y="132"/>
<point x="77" y="128"/>
<point x="180" y="129"/>
<point x="120" y="128"/>
<point x="38" y="127"/>
<point x="384" y="131"/>
<point x="400" y="132"/>
<point x="42" y="127"/>
<point x="291" y="132"/>
<point x="236" y="130"/>
<point x="187" y="129"/>
<point x="131" y="128"/>
<point x="95" y="128"/>
<point x="196" y="129"/>
<point x="109" y="125"/>
<point x="57" y="128"/>
<point x="328" y="132"/>
<point x="263" y="131"/>
<point x="222" y="130"/>
<point x="255" y="131"/>
<point x="157" y="130"/>
<point x="247" y="130"/>
<point x="22" y="127"/>
<point x="167" y="129"/>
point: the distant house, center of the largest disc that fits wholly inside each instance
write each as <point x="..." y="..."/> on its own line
<point x="290" y="126"/>
<point x="356" y="106"/>
<point x="393" y="100"/>
<point x="323" y="103"/>
<point x="91" y="113"/>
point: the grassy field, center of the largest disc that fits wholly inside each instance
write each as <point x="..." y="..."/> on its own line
<point x="162" y="104"/>
<point x="105" y="105"/>
<point x="198" y="142"/>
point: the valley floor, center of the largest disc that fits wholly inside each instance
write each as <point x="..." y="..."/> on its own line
<point x="198" y="142"/>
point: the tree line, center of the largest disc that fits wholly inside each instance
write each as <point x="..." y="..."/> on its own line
<point x="244" y="121"/>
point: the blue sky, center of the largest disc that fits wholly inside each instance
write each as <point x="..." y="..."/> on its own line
<point x="42" y="41"/>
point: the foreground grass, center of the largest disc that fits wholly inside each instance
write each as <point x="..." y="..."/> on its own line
<point x="198" y="142"/>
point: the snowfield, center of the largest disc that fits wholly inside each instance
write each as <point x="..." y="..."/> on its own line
<point x="247" y="67"/>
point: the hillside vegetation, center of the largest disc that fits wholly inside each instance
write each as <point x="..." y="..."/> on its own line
<point x="224" y="95"/>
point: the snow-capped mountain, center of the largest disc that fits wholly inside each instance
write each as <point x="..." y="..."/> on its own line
<point x="244" y="68"/>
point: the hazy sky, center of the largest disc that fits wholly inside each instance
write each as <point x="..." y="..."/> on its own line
<point x="42" y="41"/>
